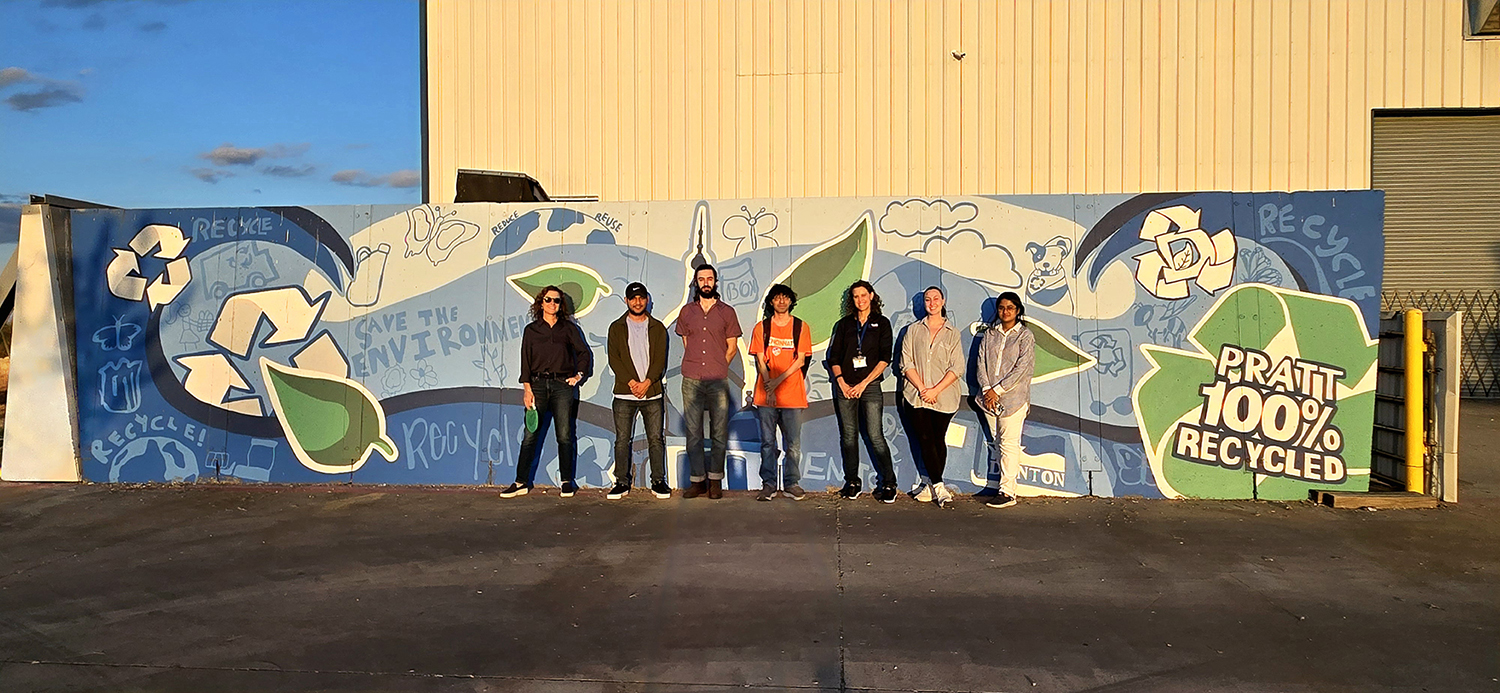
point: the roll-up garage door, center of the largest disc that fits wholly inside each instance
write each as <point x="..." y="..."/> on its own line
<point x="1441" y="177"/>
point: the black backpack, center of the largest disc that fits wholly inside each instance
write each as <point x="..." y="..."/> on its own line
<point x="765" y="331"/>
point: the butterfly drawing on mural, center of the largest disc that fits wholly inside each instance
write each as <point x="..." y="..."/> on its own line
<point x="753" y="228"/>
<point x="119" y="336"/>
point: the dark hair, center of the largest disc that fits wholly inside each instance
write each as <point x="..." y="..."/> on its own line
<point x="693" y="284"/>
<point x="940" y="293"/>
<point x="778" y="290"/>
<point x="1013" y="298"/>
<point x="875" y="303"/>
<point x="563" y="309"/>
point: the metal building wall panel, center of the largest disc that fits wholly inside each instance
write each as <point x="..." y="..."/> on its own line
<point x="668" y="99"/>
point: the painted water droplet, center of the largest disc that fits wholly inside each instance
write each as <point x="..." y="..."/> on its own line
<point x="332" y="423"/>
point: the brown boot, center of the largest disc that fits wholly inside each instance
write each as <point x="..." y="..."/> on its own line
<point x="695" y="489"/>
<point x="715" y="489"/>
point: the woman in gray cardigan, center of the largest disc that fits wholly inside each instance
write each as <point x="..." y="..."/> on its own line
<point x="1007" y="361"/>
<point x="932" y="359"/>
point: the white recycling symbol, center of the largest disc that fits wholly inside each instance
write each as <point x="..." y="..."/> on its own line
<point x="124" y="272"/>
<point x="212" y="377"/>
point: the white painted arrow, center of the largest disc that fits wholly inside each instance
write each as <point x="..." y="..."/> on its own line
<point x="211" y="377"/>
<point x="323" y="356"/>
<point x="170" y="239"/>
<point x="124" y="276"/>
<point x="289" y="310"/>
<point x="169" y="283"/>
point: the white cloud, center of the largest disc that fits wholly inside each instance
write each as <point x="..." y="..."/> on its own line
<point x="965" y="252"/>
<point x="920" y="217"/>
<point x="405" y="178"/>
<point x="229" y="155"/>
<point x="13" y="75"/>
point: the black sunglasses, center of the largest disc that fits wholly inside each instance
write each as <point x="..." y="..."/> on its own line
<point x="549" y="299"/>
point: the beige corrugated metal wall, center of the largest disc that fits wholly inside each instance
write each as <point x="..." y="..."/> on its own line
<point x="690" y="99"/>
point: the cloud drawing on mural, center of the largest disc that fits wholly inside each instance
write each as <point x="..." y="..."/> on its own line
<point x="921" y="217"/>
<point x="965" y="252"/>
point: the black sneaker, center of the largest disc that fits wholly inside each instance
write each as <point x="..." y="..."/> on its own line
<point x="517" y="489"/>
<point x="618" y="491"/>
<point x="794" y="492"/>
<point x="1001" y="500"/>
<point x="766" y="493"/>
<point x="568" y="489"/>
<point x="662" y="490"/>
<point x="884" y="494"/>
<point x="850" y="491"/>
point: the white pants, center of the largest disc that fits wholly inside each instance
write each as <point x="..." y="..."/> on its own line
<point x="1005" y="446"/>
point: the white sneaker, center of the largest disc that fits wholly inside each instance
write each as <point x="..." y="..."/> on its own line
<point x="924" y="493"/>
<point x="944" y="496"/>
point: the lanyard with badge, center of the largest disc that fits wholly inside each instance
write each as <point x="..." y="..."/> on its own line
<point x="859" y="358"/>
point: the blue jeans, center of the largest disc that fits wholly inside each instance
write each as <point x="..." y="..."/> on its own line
<point x="858" y="416"/>
<point x="652" y="412"/>
<point x="790" y="422"/>
<point x="713" y="396"/>
<point x="556" y="403"/>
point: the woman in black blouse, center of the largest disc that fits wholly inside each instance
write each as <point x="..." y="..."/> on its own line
<point x="554" y="359"/>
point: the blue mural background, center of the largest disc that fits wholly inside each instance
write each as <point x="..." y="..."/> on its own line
<point x="423" y="308"/>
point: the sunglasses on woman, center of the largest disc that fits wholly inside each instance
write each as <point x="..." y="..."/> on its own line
<point x="549" y="299"/>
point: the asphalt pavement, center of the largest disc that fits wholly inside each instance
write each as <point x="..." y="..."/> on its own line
<point x="347" y="588"/>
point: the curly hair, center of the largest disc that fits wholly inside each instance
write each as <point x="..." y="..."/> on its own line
<point x="767" y="309"/>
<point x="564" y="309"/>
<point x="876" y="305"/>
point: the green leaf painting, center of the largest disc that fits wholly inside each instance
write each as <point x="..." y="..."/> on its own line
<point x="821" y="275"/>
<point x="332" y="423"/>
<point x="1290" y="408"/>
<point x="580" y="283"/>
<point x="1055" y="356"/>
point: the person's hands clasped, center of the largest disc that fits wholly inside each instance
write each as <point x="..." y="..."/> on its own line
<point x="930" y="395"/>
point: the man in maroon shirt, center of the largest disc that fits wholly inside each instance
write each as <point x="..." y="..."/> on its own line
<point x="710" y="331"/>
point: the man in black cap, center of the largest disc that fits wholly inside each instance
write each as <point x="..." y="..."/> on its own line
<point x="638" y="355"/>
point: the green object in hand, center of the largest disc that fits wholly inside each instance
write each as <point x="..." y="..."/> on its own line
<point x="332" y="423"/>
<point x="533" y="419"/>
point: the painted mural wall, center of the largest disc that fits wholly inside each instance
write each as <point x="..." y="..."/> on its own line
<point x="1209" y="345"/>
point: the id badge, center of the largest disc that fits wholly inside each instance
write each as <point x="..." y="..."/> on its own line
<point x="860" y="362"/>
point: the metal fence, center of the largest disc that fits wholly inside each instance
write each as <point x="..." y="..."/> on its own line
<point x="1479" y="365"/>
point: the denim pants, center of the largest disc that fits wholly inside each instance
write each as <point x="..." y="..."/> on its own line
<point x="698" y="396"/>
<point x="652" y="413"/>
<point x="790" y="422"/>
<point x="1005" y="446"/>
<point x="858" y="416"/>
<point x="557" y="404"/>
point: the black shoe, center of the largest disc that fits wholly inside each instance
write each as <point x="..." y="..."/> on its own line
<point x="618" y="491"/>
<point x="1001" y="500"/>
<point x="516" y="489"/>
<point x="884" y="494"/>
<point x="850" y="491"/>
<point x="662" y="490"/>
<point x="568" y="489"/>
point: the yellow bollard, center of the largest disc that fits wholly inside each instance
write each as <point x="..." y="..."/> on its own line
<point x="1415" y="449"/>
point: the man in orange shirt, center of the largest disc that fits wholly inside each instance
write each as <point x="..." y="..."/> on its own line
<point x="781" y="345"/>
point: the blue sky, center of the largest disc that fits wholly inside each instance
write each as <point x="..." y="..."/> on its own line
<point x="183" y="103"/>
